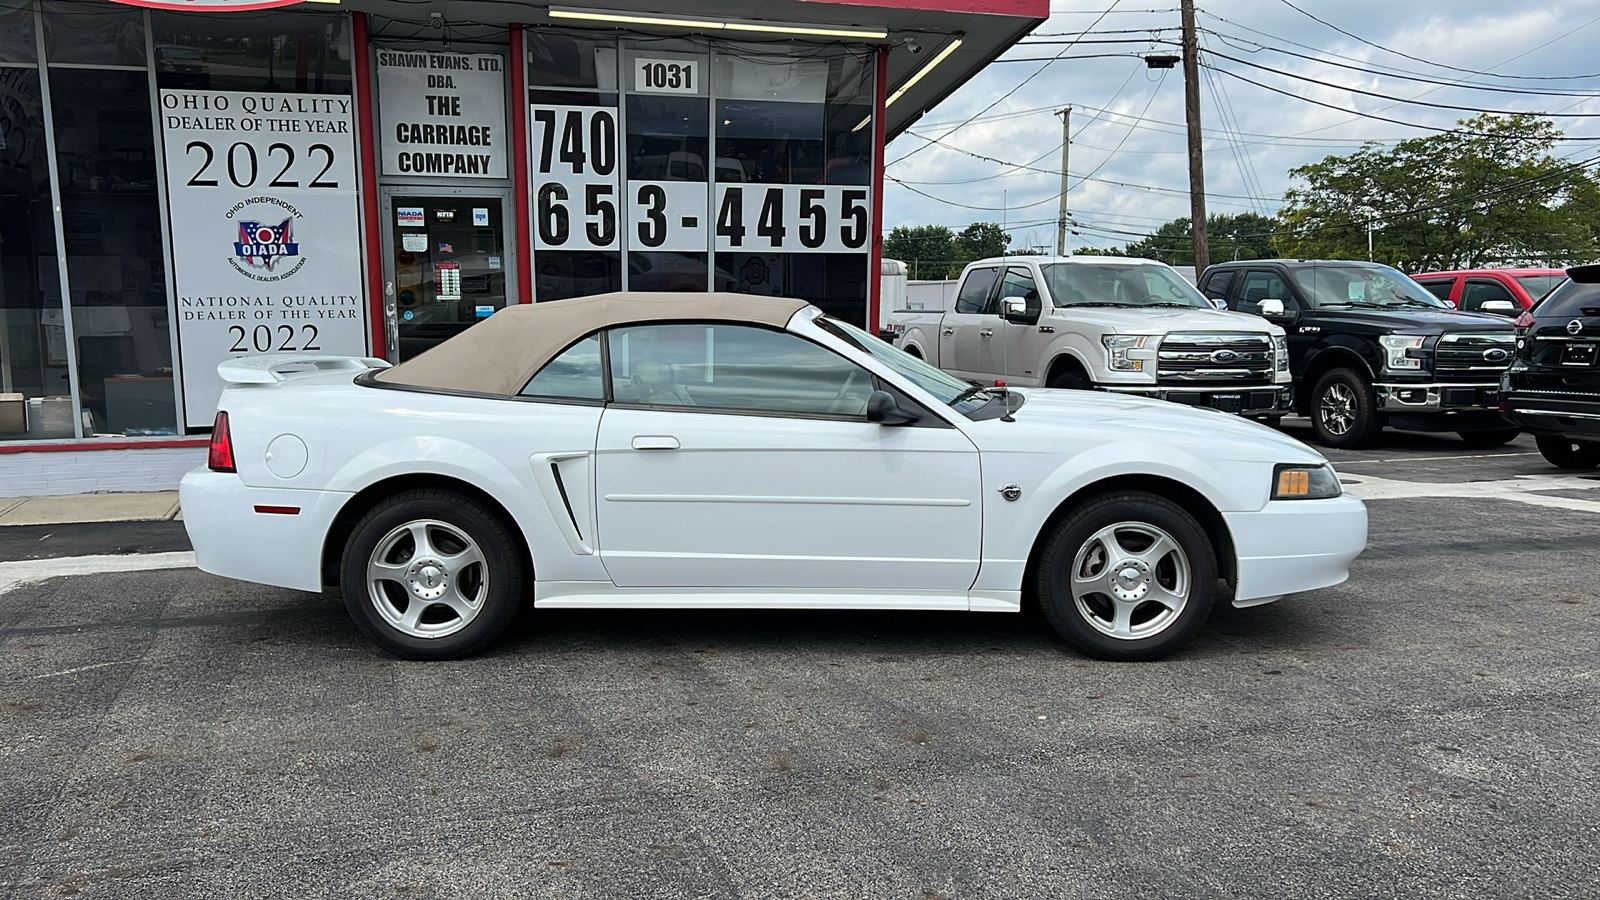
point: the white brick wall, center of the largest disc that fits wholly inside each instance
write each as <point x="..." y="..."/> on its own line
<point x="83" y="471"/>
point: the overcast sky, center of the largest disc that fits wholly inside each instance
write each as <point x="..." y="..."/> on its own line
<point x="1271" y="132"/>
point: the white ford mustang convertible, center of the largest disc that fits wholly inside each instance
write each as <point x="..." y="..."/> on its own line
<point x="724" y="451"/>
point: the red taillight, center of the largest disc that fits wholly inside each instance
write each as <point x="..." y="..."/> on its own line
<point x="221" y="459"/>
<point x="1524" y="321"/>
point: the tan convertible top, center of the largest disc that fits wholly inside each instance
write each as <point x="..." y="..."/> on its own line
<point x="500" y="354"/>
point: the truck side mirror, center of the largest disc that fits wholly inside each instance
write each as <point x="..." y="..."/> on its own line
<point x="1499" y="307"/>
<point x="1016" y="311"/>
<point x="1271" y="307"/>
<point x="884" y="410"/>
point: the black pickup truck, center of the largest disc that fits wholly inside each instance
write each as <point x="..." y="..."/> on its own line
<point x="1369" y="347"/>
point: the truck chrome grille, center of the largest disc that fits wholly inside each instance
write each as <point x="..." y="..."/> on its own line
<point x="1223" y="358"/>
<point x="1473" y="357"/>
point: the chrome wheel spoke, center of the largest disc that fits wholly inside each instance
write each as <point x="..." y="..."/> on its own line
<point x="1130" y="580"/>
<point x="459" y="562"/>
<point x="1172" y="600"/>
<point x="445" y="569"/>
<point x="1122" y="620"/>
<point x="378" y="570"/>
<point x="1157" y="551"/>
<point x="419" y="538"/>
<point x="412" y="617"/>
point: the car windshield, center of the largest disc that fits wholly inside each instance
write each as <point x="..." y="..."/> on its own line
<point x="1120" y="284"/>
<point x="1366" y="287"/>
<point x="950" y="390"/>
<point x="1539" y="285"/>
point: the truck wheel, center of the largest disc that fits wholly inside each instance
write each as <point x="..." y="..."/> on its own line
<point x="1344" y="411"/>
<point x="1071" y="380"/>
<point x="1127" y="576"/>
<point x="1494" y="437"/>
<point x="1568" y="453"/>
<point x="432" y="574"/>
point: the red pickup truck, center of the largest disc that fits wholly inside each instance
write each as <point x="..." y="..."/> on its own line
<point x="1505" y="292"/>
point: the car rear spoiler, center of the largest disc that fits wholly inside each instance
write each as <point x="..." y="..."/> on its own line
<point x="1589" y="274"/>
<point x="283" y="366"/>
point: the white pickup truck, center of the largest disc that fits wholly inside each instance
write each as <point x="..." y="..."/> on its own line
<point x="1133" y="326"/>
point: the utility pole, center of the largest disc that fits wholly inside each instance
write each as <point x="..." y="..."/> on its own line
<point x="1061" y="215"/>
<point x="1197" y="174"/>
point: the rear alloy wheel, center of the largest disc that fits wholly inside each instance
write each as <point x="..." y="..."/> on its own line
<point x="1127" y="576"/>
<point x="1494" y="437"/>
<point x="1568" y="453"/>
<point x="432" y="575"/>
<point x="1344" y="411"/>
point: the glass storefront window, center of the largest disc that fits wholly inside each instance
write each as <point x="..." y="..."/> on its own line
<point x="16" y="33"/>
<point x="96" y="34"/>
<point x="105" y="148"/>
<point x="281" y="51"/>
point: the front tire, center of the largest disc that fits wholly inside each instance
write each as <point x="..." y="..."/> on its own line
<point x="432" y="574"/>
<point x="1127" y="576"/>
<point x="1568" y="453"/>
<point x="1494" y="437"/>
<point x="1071" y="380"/>
<point x="1344" y="412"/>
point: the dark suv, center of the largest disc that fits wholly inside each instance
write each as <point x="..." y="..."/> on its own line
<point x="1368" y="347"/>
<point x="1553" y="387"/>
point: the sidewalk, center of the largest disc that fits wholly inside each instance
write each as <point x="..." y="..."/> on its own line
<point x="71" y="508"/>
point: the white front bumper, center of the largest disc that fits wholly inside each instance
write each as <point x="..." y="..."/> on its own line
<point x="232" y="539"/>
<point x="1296" y="545"/>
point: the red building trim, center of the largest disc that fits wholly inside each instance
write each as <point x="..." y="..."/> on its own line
<point x="880" y="96"/>
<point x="521" y="199"/>
<point x="1031" y="9"/>
<point x="365" y="113"/>
<point x="103" y="444"/>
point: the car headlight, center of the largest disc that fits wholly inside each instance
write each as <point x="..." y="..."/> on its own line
<point x="1402" y="351"/>
<point x="1118" y="346"/>
<point x="1295" y="482"/>
<point x="1280" y="353"/>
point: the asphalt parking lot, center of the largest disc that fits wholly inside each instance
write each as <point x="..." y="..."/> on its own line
<point x="1427" y="729"/>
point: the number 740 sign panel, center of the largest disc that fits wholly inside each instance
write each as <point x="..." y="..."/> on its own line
<point x="582" y="202"/>
<point x="261" y="194"/>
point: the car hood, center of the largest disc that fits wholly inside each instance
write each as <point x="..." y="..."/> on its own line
<point x="1159" y="320"/>
<point x="1061" y="418"/>
<point x="1416" y="321"/>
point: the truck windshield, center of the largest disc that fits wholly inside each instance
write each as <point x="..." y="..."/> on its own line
<point x="1364" y="287"/>
<point x="1120" y="284"/>
<point x="950" y="390"/>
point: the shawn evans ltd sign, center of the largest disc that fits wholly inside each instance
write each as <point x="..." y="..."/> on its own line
<point x="442" y="113"/>
<point x="266" y="231"/>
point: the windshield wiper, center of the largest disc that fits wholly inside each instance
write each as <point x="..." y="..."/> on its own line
<point x="1099" y="303"/>
<point x="1174" y="304"/>
<point x="968" y="394"/>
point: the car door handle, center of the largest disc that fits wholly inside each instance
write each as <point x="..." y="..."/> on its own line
<point x="986" y="333"/>
<point x="948" y="331"/>
<point x="655" y="442"/>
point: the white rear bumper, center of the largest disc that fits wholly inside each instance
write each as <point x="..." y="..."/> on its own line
<point x="1296" y="545"/>
<point x="232" y="538"/>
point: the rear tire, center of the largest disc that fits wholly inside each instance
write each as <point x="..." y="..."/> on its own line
<point x="1127" y="576"/>
<point x="1344" y="411"/>
<point x="432" y="574"/>
<point x="1568" y="453"/>
<point x="1491" y="438"/>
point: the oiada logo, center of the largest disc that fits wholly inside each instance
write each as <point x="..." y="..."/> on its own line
<point x="265" y="251"/>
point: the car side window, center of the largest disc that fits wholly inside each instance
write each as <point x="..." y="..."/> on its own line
<point x="1217" y="285"/>
<point x="722" y="367"/>
<point x="974" y="296"/>
<point x="1017" y="283"/>
<point x="1439" y="287"/>
<point x="1479" y="291"/>
<point x="574" y="374"/>
<point x="1257" y="286"/>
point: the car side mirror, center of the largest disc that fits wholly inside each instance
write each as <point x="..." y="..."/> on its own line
<point x="883" y="409"/>
<point x="1499" y="307"/>
<point x="1016" y="311"/>
<point x="1272" y="306"/>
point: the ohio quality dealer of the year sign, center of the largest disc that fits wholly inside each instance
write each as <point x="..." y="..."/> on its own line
<point x="261" y="193"/>
<point x="442" y="113"/>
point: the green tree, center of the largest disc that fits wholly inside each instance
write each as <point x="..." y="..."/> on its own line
<point x="1241" y="236"/>
<point x="1447" y="201"/>
<point x="982" y="240"/>
<point x="929" y="251"/>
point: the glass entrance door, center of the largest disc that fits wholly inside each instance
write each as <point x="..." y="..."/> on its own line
<point x="448" y="265"/>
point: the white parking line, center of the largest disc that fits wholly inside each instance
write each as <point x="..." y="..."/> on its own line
<point x="1395" y="459"/>
<point x="1520" y="489"/>
<point x="20" y="572"/>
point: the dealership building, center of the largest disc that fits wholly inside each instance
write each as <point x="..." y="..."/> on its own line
<point x="191" y="181"/>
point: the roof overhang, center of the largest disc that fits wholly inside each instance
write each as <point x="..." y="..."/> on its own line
<point x="916" y="31"/>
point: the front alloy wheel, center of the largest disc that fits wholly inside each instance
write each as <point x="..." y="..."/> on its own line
<point x="1127" y="576"/>
<point x="432" y="574"/>
<point x="1343" y="410"/>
